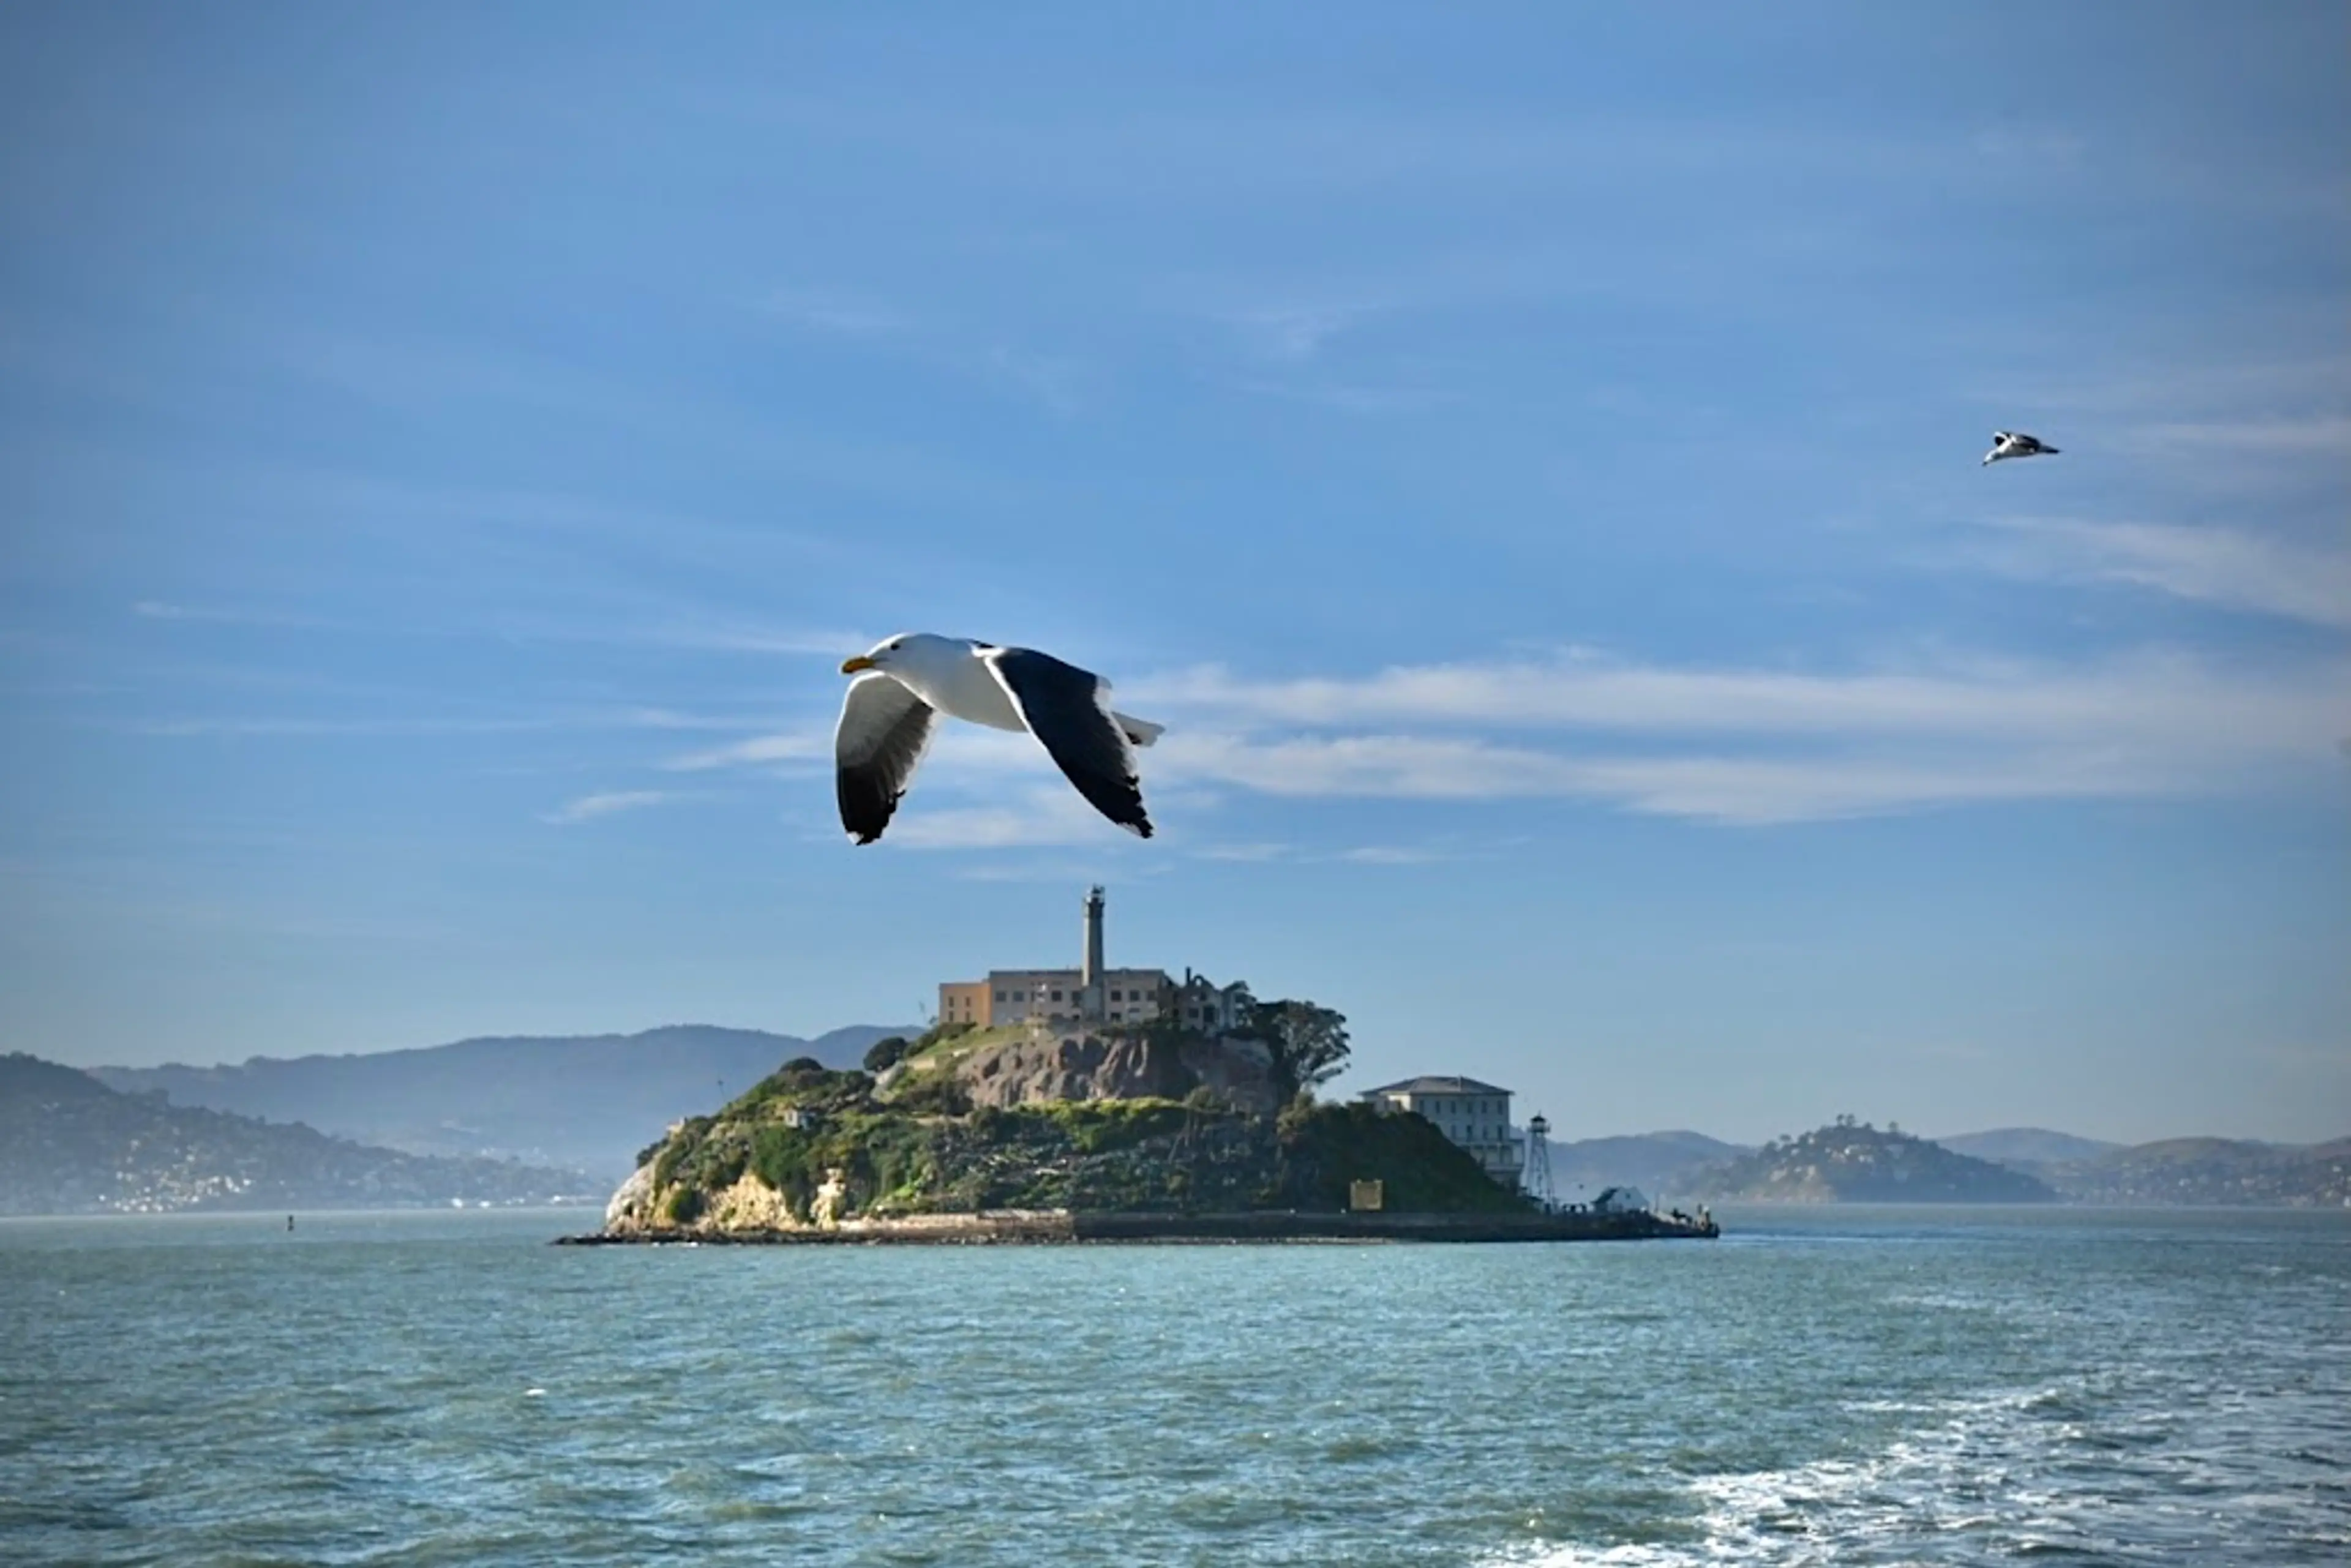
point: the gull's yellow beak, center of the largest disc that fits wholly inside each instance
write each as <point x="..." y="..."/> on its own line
<point x="850" y="666"/>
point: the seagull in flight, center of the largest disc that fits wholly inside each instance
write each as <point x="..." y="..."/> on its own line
<point x="2016" y="443"/>
<point x="904" y="684"/>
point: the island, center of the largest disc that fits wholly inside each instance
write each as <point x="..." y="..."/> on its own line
<point x="1147" y="1131"/>
<point x="1850" y="1161"/>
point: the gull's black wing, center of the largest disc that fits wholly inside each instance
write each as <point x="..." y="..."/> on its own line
<point x="885" y="728"/>
<point x="1062" y="706"/>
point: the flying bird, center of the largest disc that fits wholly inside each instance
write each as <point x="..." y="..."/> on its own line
<point x="904" y="684"/>
<point x="2015" y="443"/>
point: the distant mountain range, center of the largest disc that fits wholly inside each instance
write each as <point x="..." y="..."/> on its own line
<point x="2183" y="1171"/>
<point x="2210" y="1171"/>
<point x="589" y="1102"/>
<point x="68" y="1144"/>
<point x="585" y="1101"/>
<point x="2025" y="1147"/>
<point x="1657" y="1162"/>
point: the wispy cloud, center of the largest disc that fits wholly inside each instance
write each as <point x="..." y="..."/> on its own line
<point x="1351" y="397"/>
<point x="1246" y="854"/>
<point x="1389" y="854"/>
<point x="214" y="615"/>
<point x="1733" y="746"/>
<point x="417" y="725"/>
<point x="587" y="808"/>
<point x="827" y="311"/>
<point x="2227" y="567"/>
<point x="1755" y="746"/>
<point x="1718" y="787"/>
<point x="704" y="633"/>
<point x="2150" y="697"/>
<point x="1051" y="815"/>
<point x="1062" y="384"/>
<point x="1295" y="332"/>
<point x="2322" y="435"/>
<point x="420" y="724"/>
<point x="806" y="747"/>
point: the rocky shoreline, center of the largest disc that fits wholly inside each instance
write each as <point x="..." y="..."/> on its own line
<point x="1035" y="1228"/>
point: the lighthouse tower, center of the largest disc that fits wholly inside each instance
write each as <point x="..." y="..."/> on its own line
<point x="1089" y="979"/>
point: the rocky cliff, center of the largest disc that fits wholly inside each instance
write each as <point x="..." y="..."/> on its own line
<point x="1005" y="1069"/>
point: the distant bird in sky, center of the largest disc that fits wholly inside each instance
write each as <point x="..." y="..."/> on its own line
<point x="2016" y="443"/>
<point x="905" y="683"/>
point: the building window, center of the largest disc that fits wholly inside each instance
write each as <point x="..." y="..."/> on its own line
<point x="1056" y="995"/>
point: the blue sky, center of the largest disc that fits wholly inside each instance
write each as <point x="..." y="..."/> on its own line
<point x="1526" y="455"/>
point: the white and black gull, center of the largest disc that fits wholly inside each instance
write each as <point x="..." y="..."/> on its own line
<point x="904" y="684"/>
<point x="2016" y="443"/>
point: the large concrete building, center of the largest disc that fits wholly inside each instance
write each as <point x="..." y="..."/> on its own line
<point x="1093" y="993"/>
<point x="1475" y="1115"/>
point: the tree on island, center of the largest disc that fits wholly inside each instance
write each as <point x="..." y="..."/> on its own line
<point x="887" y="1052"/>
<point x="1308" y="1043"/>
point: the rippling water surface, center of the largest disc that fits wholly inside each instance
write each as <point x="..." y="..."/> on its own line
<point x="1848" y="1386"/>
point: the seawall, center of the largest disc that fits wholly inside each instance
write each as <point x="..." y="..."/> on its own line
<point x="1025" y="1227"/>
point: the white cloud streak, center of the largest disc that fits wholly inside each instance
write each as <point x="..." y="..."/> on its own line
<point x="2167" y="698"/>
<point x="587" y="808"/>
<point x="824" y="310"/>
<point x="759" y="749"/>
<point x="1729" y="745"/>
<point x="2225" y="566"/>
<point x="1051" y="816"/>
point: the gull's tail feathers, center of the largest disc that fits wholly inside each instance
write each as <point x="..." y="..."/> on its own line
<point x="1139" y="731"/>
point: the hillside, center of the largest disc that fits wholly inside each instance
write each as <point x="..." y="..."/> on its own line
<point x="914" y="1144"/>
<point x="1853" y="1162"/>
<point x="2028" y="1149"/>
<point x="2213" y="1171"/>
<point x="587" y="1102"/>
<point x="68" y="1144"/>
<point x="1660" y="1164"/>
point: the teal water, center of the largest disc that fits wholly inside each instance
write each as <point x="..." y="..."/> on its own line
<point x="1845" y="1387"/>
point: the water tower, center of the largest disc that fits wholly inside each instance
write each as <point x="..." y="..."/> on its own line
<point x="1539" y="1159"/>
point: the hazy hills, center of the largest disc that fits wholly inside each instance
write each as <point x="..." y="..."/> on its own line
<point x="68" y="1144"/>
<point x="2211" y="1171"/>
<point x="588" y="1102"/>
<point x="1853" y="1162"/>
<point x="1656" y="1163"/>
<point x="1831" y="1164"/>
<point x="2026" y="1147"/>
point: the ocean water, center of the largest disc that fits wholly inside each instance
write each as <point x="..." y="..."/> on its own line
<point x="1838" y="1386"/>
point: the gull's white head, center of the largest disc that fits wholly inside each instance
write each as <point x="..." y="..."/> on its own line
<point x="909" y="653"/>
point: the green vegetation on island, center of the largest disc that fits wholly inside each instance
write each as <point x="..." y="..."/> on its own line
<point x="1853" y="1162"/>
<point x="1149" y="1118"/>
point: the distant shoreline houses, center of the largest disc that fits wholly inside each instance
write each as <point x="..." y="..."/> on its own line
<point x="1475" y="1115"/>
